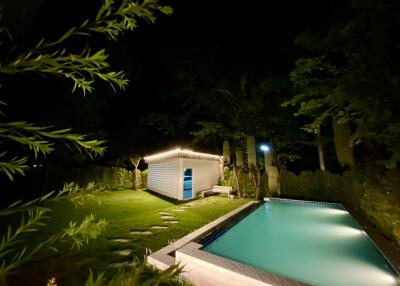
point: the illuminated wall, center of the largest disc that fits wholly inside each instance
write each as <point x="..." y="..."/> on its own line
<point x="163" y="177"/>
<point x="166" y="172"/>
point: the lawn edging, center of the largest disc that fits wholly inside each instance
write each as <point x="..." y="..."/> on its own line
<point x="162" y="259"/>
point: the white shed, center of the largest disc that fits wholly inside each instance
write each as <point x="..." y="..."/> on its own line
<point x="181" y="174"/>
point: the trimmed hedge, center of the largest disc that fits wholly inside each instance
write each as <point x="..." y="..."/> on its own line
<point x="377" y="195"/>
<point x="108" y="178"/>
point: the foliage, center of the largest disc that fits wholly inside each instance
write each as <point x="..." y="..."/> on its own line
<point x="351" y="77"/>
<point x="140" y="274"/>
<point x="125" y="211"/>
<point x="246" y="185"/>
<point x="87" y="230"/>
<point x="13" y="249"/>
<point x="144" y="174"/>
<point x="373" y="192"/>
<point x="53" y="58"/>
<point x="104" y="178"/>
<point x="228" y="177"/>
<point x="39" y="140"/>
<point x="380" y="202"/>
<point x="315" y="185"/>
<point x="49" y="57"/>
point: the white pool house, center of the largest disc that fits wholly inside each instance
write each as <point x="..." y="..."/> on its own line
<point x="181" y="174"/>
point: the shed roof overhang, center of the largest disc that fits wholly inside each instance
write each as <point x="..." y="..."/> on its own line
<point x="181" y="153"/>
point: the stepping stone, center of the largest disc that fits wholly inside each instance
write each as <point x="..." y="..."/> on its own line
<point x="123" y="240"/>
<point x="165" y="213"/>
<point x="170" y="221"/>
<point x="167" y="216"/>
<point x="178" y="210"/>
<point x="140" y="232"/>
<point x="184" y="207"/>
<point x="159" y="227"/>
<point x="121" y="264"/>
<point x="123" y="252"/>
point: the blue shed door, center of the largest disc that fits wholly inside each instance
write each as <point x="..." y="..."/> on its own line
<point x="187" y="184"/>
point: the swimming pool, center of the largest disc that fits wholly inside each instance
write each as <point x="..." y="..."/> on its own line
<point x="315" y="243"/>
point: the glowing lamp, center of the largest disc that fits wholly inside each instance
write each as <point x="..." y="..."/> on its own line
<point x="264" y="148"/>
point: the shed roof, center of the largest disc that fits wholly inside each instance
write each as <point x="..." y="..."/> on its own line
<point x="181" y="153"/>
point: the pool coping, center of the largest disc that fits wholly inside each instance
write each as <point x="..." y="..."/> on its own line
<point x="396" y="270"/>
<point x="227" y="270"/>
<point x="164" y="258"/>
<point x="187" y="250"/>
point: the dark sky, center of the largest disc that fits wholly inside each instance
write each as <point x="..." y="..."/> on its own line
<point x="232" y="36"/>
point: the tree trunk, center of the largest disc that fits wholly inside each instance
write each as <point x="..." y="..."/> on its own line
<point x="239" y="157"/>
<point x="227" y="152"/>
<point x="255" y="175"/>
<point x="341" y="138"/>
<point x="251" y="151"/>
<point x="236" y="174"/>
<point x="320" y="151"/>
<point x="268" y="158"/>
<point x="138" y="178"/>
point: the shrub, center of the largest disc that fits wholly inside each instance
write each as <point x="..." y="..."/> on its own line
<point x="103" y="177"/>
<point x="228" y="177"/>
<point x="316" y="185"/>
<point x="373" y="192"/>
<point x="381" y="203"/>
<point x="145" y="174"/>
<point x="246" y="185"/>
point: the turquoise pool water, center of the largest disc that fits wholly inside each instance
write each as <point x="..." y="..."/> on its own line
<point x="312" y="243"/>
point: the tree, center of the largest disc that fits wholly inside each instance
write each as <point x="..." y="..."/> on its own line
<point x="351" y="81"/>
<point x="313" y="98"/>
<point x="135" y="160"/>
<point x="52" y="58"/>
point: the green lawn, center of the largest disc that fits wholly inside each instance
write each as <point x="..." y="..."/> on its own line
<point x="126" y="211"/>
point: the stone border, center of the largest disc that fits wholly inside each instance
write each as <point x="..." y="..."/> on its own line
<point x="203" y="268"/>
<point x="164" y="258"/>
<point x="185" y="250"/>
<point x="339" y="205"/>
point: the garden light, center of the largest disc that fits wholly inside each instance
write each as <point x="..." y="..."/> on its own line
<point x="264" y="148"/>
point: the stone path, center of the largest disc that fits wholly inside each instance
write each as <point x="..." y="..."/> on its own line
<point x="170" y="221"/>
<point x="159" y="226"/>
<point x="140" y="232"/>
<point x="166" y="217"/>
<point x="122" y="240"/>
<point x="123" y="252"/>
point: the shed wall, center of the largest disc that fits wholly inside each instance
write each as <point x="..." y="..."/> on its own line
<point x="164" y="177"/>
<point x="205" y="173"/>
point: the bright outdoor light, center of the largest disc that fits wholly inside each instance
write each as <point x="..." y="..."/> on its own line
<point x="264" y="148"/>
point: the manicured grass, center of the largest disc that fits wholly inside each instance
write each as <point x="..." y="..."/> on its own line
<point x="126" y="211"/>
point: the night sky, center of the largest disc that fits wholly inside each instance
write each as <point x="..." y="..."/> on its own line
<point x="222" y="37"/>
